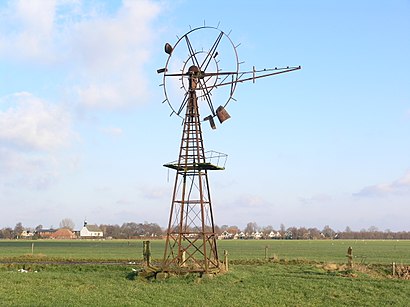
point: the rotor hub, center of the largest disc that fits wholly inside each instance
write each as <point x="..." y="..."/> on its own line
<point x="193" y="69"/>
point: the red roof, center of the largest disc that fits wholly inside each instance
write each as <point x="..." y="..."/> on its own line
<point x="63" y="233"/>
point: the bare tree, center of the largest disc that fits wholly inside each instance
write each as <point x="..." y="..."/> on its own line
<point x="67" y="223"/>
<point x="6" y="233"/>
<point x="328" y="232"/>
<point x="282" y="230"/>
<point x="18" y="229"/>
<point x="233" y="229"/>
<point x="314" y="233"/>
<point x="250" y="228"/>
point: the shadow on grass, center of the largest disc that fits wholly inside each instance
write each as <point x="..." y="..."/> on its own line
<point x="131" y="276"/>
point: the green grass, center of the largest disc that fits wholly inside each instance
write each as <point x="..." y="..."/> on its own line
<point x="368" y="251"/>
<point x="301" y="277"/>
<point x="269" y="284"/>
<point x="118" y="249"/>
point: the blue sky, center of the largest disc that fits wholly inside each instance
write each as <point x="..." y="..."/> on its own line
<point x="83" y="133"/>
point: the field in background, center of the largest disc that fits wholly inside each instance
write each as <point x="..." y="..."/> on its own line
<point x="380" y="252"/>
<point x="302" y="273"/>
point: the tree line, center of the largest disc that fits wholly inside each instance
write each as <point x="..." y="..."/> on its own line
<point x="131" y="230"/>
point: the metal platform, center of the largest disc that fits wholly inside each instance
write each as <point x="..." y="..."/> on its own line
<point x="194" y="166"/>
<point x="213" y="161"/>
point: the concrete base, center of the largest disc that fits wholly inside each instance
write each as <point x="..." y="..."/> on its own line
<point x="161" y="276"/>
<point x="208" y="276"/>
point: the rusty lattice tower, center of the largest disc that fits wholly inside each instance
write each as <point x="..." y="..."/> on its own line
<point x="191" y="238"/>
<point x="191" y="241"/>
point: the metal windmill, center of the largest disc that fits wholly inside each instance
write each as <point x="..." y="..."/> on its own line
<point x="202" y="67"/>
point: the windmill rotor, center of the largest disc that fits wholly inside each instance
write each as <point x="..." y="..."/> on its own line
<point x="218" y="71"/>
<point x="215" y="56"/>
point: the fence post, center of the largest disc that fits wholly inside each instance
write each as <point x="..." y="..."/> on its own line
<point x="32" y="248"/>
<point x="183" y="258"/>
<point x="393" y="267"/>
<point x="146" y="252"/>
<point x="350" y="257"/>
<point x="226" y="260"/>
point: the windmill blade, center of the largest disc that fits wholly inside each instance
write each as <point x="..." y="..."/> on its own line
<point x="211" y="52"/>
<point x="207" y="96"/>
<point x="191" y="52"/>
<point x="183" y="104"/>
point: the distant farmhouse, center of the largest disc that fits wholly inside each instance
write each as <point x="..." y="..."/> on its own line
<point x="90" y="231"/>
<point x="63" y="234"/>
<point x="59" y="234"/>
<point x="45" y="233"/>
<point x="26" y="234"/>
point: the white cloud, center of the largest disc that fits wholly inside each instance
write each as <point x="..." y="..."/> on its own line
<point x="111" y="52"/>
<point x="249" y="201"/>
<point x="30" y="123"/>
<point x="32" y="131"/>
<point x="18" y="169"/>
<point x="101" y="54"/>
<point x="318" y="198"/>
<point x="27" y="29"/>
<point x="104" y="53"/>
<point x="397" y="187"/>
<point x="125" y="202"/>
<point x="154" y="193"/>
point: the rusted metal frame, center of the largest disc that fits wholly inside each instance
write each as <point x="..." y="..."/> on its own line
<point x="193" y="203"/>
<point x="177" y="260"/>
<point x="207" y="74"/>
<point x="271" y="74"/>
<point x="207" y="97"/>
<point x="191" y="151"/>
<point x="201" y="153"/>
<point x="191" y="77"/>
<point x="192" y="220"/>
<point x="209" y="237"/>
<point x="211" y="257"/>
<point x="184" y="147"/>
<point x="188" y="203"/>
<point x="191" y="243"/>
<point x="187" y="133"/>
<point x="183" y="104"/>
<point x="175" y="222"/>
<point x="171" y="256"/>
<point x="238" y="80"/>
<point x="197" y="249"/>
<point x="171" y="217"/>
<point x="211" y="216"/>
<point x="192" y="52"/>
<point x="233" y="84"/>
<point x="208" y="259"/>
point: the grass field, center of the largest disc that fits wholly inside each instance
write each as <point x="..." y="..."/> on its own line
<point x="308" y="273"/>
<point x="381" y="252"/>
